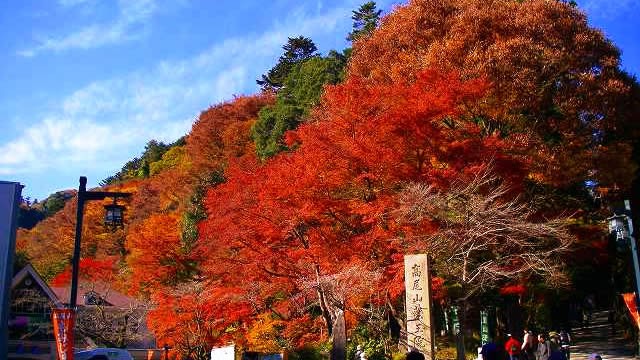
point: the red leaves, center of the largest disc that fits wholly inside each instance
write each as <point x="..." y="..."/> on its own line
<point x="513" y="289"/>
<point x="222" y="132"/>
<point x="553" y="79"/>
<point x="325" y="206"/>
<point x="93" y="270"/>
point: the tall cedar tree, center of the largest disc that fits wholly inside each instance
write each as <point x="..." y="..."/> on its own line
<point x="365" y="20"/>
<point x="295" y="50"/>
<point x="302" y="89"/>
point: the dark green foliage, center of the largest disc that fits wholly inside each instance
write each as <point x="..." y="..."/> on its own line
<point x="296" y="50"/>
<point x="55" y="202"/>
<point x="371" y="340"/>
<point x="32" y="213"/>
<point x="29" y="216"/>
<point x="20" y="260"/>
<point x="301" y="91"/>
<point x="307" y="353"/>
<point x="365" y="20"/>
<point x="140" y="167"/>
<point x="196" y="211"/>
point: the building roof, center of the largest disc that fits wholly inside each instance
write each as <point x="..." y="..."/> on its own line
<point x="104" y="291"/>
<point x="29" y="271"/>
<point x="59" y="296"/>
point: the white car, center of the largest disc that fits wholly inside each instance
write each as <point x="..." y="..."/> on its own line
<point x="103" y="354"/>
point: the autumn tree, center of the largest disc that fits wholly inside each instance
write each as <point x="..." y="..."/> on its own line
<point x="222" y="132"/>
<point x="192" y="316"/>
<point x="557" y="97"/>
<point x="158" y="255"/>
<point x="557" y="92"/>
<point x="90" y="270"/>
<point x="50" y="244"/>
<point x="486" y="237"/>
<point x="324" y="207"/>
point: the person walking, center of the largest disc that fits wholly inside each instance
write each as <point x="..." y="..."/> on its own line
<point x="543" y="349"/>
<point x="513" y="347"/>
<point x="489" y="351"/>
<point x="528" y="346"/>
<point x="565" y="343"/>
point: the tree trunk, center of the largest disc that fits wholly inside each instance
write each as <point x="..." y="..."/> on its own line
<point x="324" y="307"/>
<point x="460" y="350"/>
<point x="339" y="349"/>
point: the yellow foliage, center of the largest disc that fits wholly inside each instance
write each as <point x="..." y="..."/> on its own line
<point x="263" y="334"/>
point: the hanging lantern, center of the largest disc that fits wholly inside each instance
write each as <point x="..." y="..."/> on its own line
<point x="113" y="214"/>
<point x="619" y="227"/>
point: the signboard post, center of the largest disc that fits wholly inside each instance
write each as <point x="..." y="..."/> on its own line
<point x="9" y="200"/>
<point x="484" y="327"/>
<point x="418" y="305"/>
<point x="455" y="321"/>
<point x="63" y="321"/>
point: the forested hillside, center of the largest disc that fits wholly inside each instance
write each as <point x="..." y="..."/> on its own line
<point x="482" y="133"/>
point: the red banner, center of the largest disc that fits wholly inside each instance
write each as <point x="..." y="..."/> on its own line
<point x="63" y="321"/>
<point x="630" y="301"/>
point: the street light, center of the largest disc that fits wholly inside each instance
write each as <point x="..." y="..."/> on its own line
<point x="64" y="319"/>
<point x="622" y="226"/>
<point x="113" y="214"/>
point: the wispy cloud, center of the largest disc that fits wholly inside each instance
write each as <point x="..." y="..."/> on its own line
<point x="105" y="122"/>
<point x="126" y="27"/>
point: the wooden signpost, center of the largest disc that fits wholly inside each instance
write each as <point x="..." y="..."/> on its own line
<point x="420" y="331"/>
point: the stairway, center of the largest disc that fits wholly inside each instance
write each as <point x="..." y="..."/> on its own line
<point x="597" y="337"/>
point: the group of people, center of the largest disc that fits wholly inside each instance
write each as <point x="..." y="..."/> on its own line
<point x="556" y="346"/>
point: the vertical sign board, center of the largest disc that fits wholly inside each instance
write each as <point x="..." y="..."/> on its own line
<point x="9" y="200"/>
<point x="418" y="304"/>
<point x="455" y="321"/>
<point x="484" y="327"/>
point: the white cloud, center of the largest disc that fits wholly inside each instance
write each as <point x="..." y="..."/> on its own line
<point x="126" y="27"/>
<point x="107" y="121"/>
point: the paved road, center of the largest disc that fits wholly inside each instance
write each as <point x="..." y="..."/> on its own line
<point x="598" y="338"/>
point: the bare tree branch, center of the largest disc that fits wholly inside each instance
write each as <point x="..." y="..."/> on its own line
<point x="486" y="236"/>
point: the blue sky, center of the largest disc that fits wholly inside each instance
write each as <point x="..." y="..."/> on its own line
<point x="86" y="83"/>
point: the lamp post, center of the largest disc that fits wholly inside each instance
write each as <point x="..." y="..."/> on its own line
<point x="113" y="217"/>
<point x="64" y="319"/>
<point x="622" y="226"/>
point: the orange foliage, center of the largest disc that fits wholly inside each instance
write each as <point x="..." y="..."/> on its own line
<point x="273" y="229"/>
<point x="157" y="256"/>
<point x="262" y="336"/>
<point x="555" y="82"/>
<point x="222" y="132"/>
<point x="50" y="243"/>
